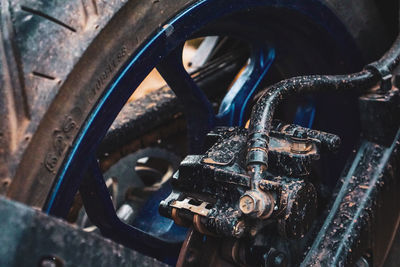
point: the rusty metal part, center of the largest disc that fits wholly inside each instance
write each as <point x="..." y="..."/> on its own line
<point x="189" y="254"/>
<point x="300" y="145"/>
<point x="198" y="207"/>
<point x="327" y="141"/>
<point x="350" y="230"/>
<point x="260" y="204"/>
<point x="176" y="218"/>
<point x="239" y="229"/>
<point x="360" y="222"/>
<point x="199" y="226"/>
<point x="216" y="187"/>
<point x="247" y="203"/>
<point x="198" y="251"/>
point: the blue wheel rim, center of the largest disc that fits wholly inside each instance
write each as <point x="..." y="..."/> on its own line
<point x="161" y="46"/>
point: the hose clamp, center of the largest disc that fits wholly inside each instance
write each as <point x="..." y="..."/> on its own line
<point x="384" y="74"/>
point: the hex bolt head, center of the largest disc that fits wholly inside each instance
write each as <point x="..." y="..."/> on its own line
<point x="247" y="203"/>
<point x="256" y="203"/>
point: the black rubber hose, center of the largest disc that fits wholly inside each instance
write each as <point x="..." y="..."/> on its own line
<point x="263" y="111"/>
<point x="391" y="59"/>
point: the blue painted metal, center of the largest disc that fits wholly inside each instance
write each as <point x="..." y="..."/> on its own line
<point x="150" y="221"/>
<point x="198" y="110"/>
<point x="305" y="113"/>
<point x="100" y="209"/>
<point x="172" y="35"/>
<point x="235" y="105"/>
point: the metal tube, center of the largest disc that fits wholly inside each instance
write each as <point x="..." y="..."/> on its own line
<point x="263" y="111"/>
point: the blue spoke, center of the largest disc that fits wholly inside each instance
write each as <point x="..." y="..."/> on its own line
<point x="235" y="104"/>
<point x="305" y="113"/>
<point x="101" y="212"/>
<point x="198" y="110"/>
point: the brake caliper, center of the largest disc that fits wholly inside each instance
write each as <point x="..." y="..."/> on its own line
<point x="214" y="191"/>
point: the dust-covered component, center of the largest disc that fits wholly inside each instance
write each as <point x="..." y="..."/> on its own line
<point x="327" y="141"/>
<point x="214" y="193"/>
<point x="257" y="203"/>
<point x="300" y="201"/>
<point x="380" y="109"/>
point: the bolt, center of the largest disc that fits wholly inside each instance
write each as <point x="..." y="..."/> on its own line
<point x="256" y="203"/>
<point x="247" y="203"/>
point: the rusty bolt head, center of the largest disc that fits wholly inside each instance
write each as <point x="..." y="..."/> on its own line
<point x="256" y="203"/>
<point x="247" y="203"/>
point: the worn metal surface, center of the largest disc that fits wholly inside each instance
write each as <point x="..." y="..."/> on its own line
<point x="263" y="111"/>
<point x="380" y="116"/>
<point x="366" y="211"/>
<point x="214" y="191"/>
<point x="29" y="237"/>
<point x="365" y="214"/>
